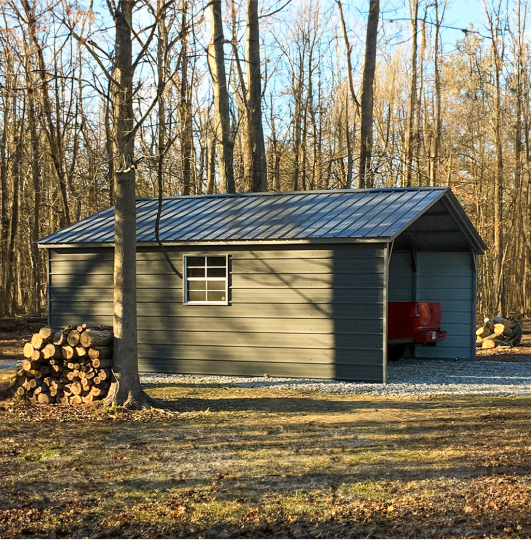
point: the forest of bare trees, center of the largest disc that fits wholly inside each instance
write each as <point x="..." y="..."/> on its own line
<point x="237" y="95"/>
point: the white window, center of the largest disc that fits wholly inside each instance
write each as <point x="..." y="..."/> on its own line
<point x="205" y="279"/>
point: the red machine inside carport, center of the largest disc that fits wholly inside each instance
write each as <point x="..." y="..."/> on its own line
<point x="414" y="323"/>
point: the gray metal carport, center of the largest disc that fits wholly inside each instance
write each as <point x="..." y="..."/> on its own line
<point x="308" y="278"/>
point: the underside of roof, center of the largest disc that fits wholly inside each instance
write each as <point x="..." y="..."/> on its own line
<point x="417" y="218"/>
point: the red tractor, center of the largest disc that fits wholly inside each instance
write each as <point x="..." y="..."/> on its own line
<point x="413" y="323"/>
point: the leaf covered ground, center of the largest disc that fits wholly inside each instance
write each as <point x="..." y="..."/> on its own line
<point x="226" y="462"/>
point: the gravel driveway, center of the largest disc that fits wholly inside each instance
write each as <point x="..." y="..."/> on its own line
<point x="406" y="377"/>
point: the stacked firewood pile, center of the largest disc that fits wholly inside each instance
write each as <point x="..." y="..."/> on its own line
<point x="72" y="365"/>
<point x="498" y="332"/>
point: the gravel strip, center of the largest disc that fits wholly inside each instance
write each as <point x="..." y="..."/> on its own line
<point x="407" y="377"/>
<point x="9" y="364"/>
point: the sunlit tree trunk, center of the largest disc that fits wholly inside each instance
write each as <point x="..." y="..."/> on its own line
<point x="216" y="57"/>
<point x="410" y="135"/>
<point x="367" y="94"/>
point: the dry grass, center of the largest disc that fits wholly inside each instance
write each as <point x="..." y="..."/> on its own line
<point x="231" y="462"/>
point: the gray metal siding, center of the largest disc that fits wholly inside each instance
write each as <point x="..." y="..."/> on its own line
<point x="80" y="287"/>
<point x="449" y="278"/>
<point x="294" y="312"/>
<point x="401" y="277"/>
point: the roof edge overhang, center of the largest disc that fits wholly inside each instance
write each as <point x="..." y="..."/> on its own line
<point x="457" y="212"/>
<point x="303" y="241"/>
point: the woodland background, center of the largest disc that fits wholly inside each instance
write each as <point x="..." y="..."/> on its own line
<point x="445" y="113"/>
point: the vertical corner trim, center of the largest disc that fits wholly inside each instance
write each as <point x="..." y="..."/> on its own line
<point x="387" y="257"/>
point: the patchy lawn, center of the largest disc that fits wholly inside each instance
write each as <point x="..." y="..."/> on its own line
<point x="234" y="462"/>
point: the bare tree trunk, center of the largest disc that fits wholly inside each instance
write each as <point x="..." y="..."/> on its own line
<point x="126" y="390"/>
<point x="185" y="107"/>
<point x="275" y="150"/>
<point x="162" y="46"/>
<point x="438" y="118"/>
<point x="211" y="168"/>
<point x="4" y="232"/>
<point x="367" y="93"/>
<point x="297" y="129"/>
<point x="10" y="296"/>
<point x="349" y="139"/>
<point x="109" y="146"/>
<point x="498" y="171"/>
<point x="35" y="174"/>
<point x="254" y="85"/>
<point x="216" y="57"/>
<point x="350" y="150"/>
<point x="52" y="133"/>
<point x="410" y="132"/>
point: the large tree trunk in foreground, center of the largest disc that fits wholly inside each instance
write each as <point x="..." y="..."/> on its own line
<point x="126" y="390"/>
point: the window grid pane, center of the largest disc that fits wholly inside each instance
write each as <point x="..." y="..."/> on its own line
<point x="206" y="279"/>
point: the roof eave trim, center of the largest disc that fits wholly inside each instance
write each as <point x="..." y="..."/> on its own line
<point x="458" y="213"/>
<point x="303" y="241"/>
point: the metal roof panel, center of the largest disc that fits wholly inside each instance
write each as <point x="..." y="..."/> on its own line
<point x="308" y="215"/>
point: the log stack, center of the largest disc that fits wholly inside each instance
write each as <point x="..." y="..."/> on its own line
<point x="498" y="332"/>
<point x="72" y="365"/>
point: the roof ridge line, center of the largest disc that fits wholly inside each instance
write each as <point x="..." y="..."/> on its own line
<point x="307" y="192"/>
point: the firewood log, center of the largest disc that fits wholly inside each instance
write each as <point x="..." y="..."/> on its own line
<point x="73" y="338"/>
<point x="97" y="392"/>
<point x="28" y="349"/>
<point x="52" y="351"/>
<point x="75" y="400"/>
<point x="45" y="399"/>
<point x="488" y="344"/>
<point x="482" y="332"/>
<point x="36" y="356"/>
<point x="501" y="320"/>
<point x="499" y="329"/>
<point x="104" y="374"/>
<point x="80" y="351"/>
<point x="68" y="352"/>
<point x="37" y="341"/>
<point x="29" y="365"/>
<point x="46" y="334"/>
<point x="59" y="338"/>
<point x="87" y="398"/>
<point x="96" y="338"/>
<point x="45" y="370"/>
<point x="100" y="352"/>
<point x="76" y="388"/>
<point x="102" y="362"/>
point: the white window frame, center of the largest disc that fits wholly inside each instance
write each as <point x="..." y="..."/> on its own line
<point x="206" y="278"/>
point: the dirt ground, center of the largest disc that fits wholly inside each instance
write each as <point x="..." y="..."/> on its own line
<point x="227" y="462"/>
<point x="14" y="333"/>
